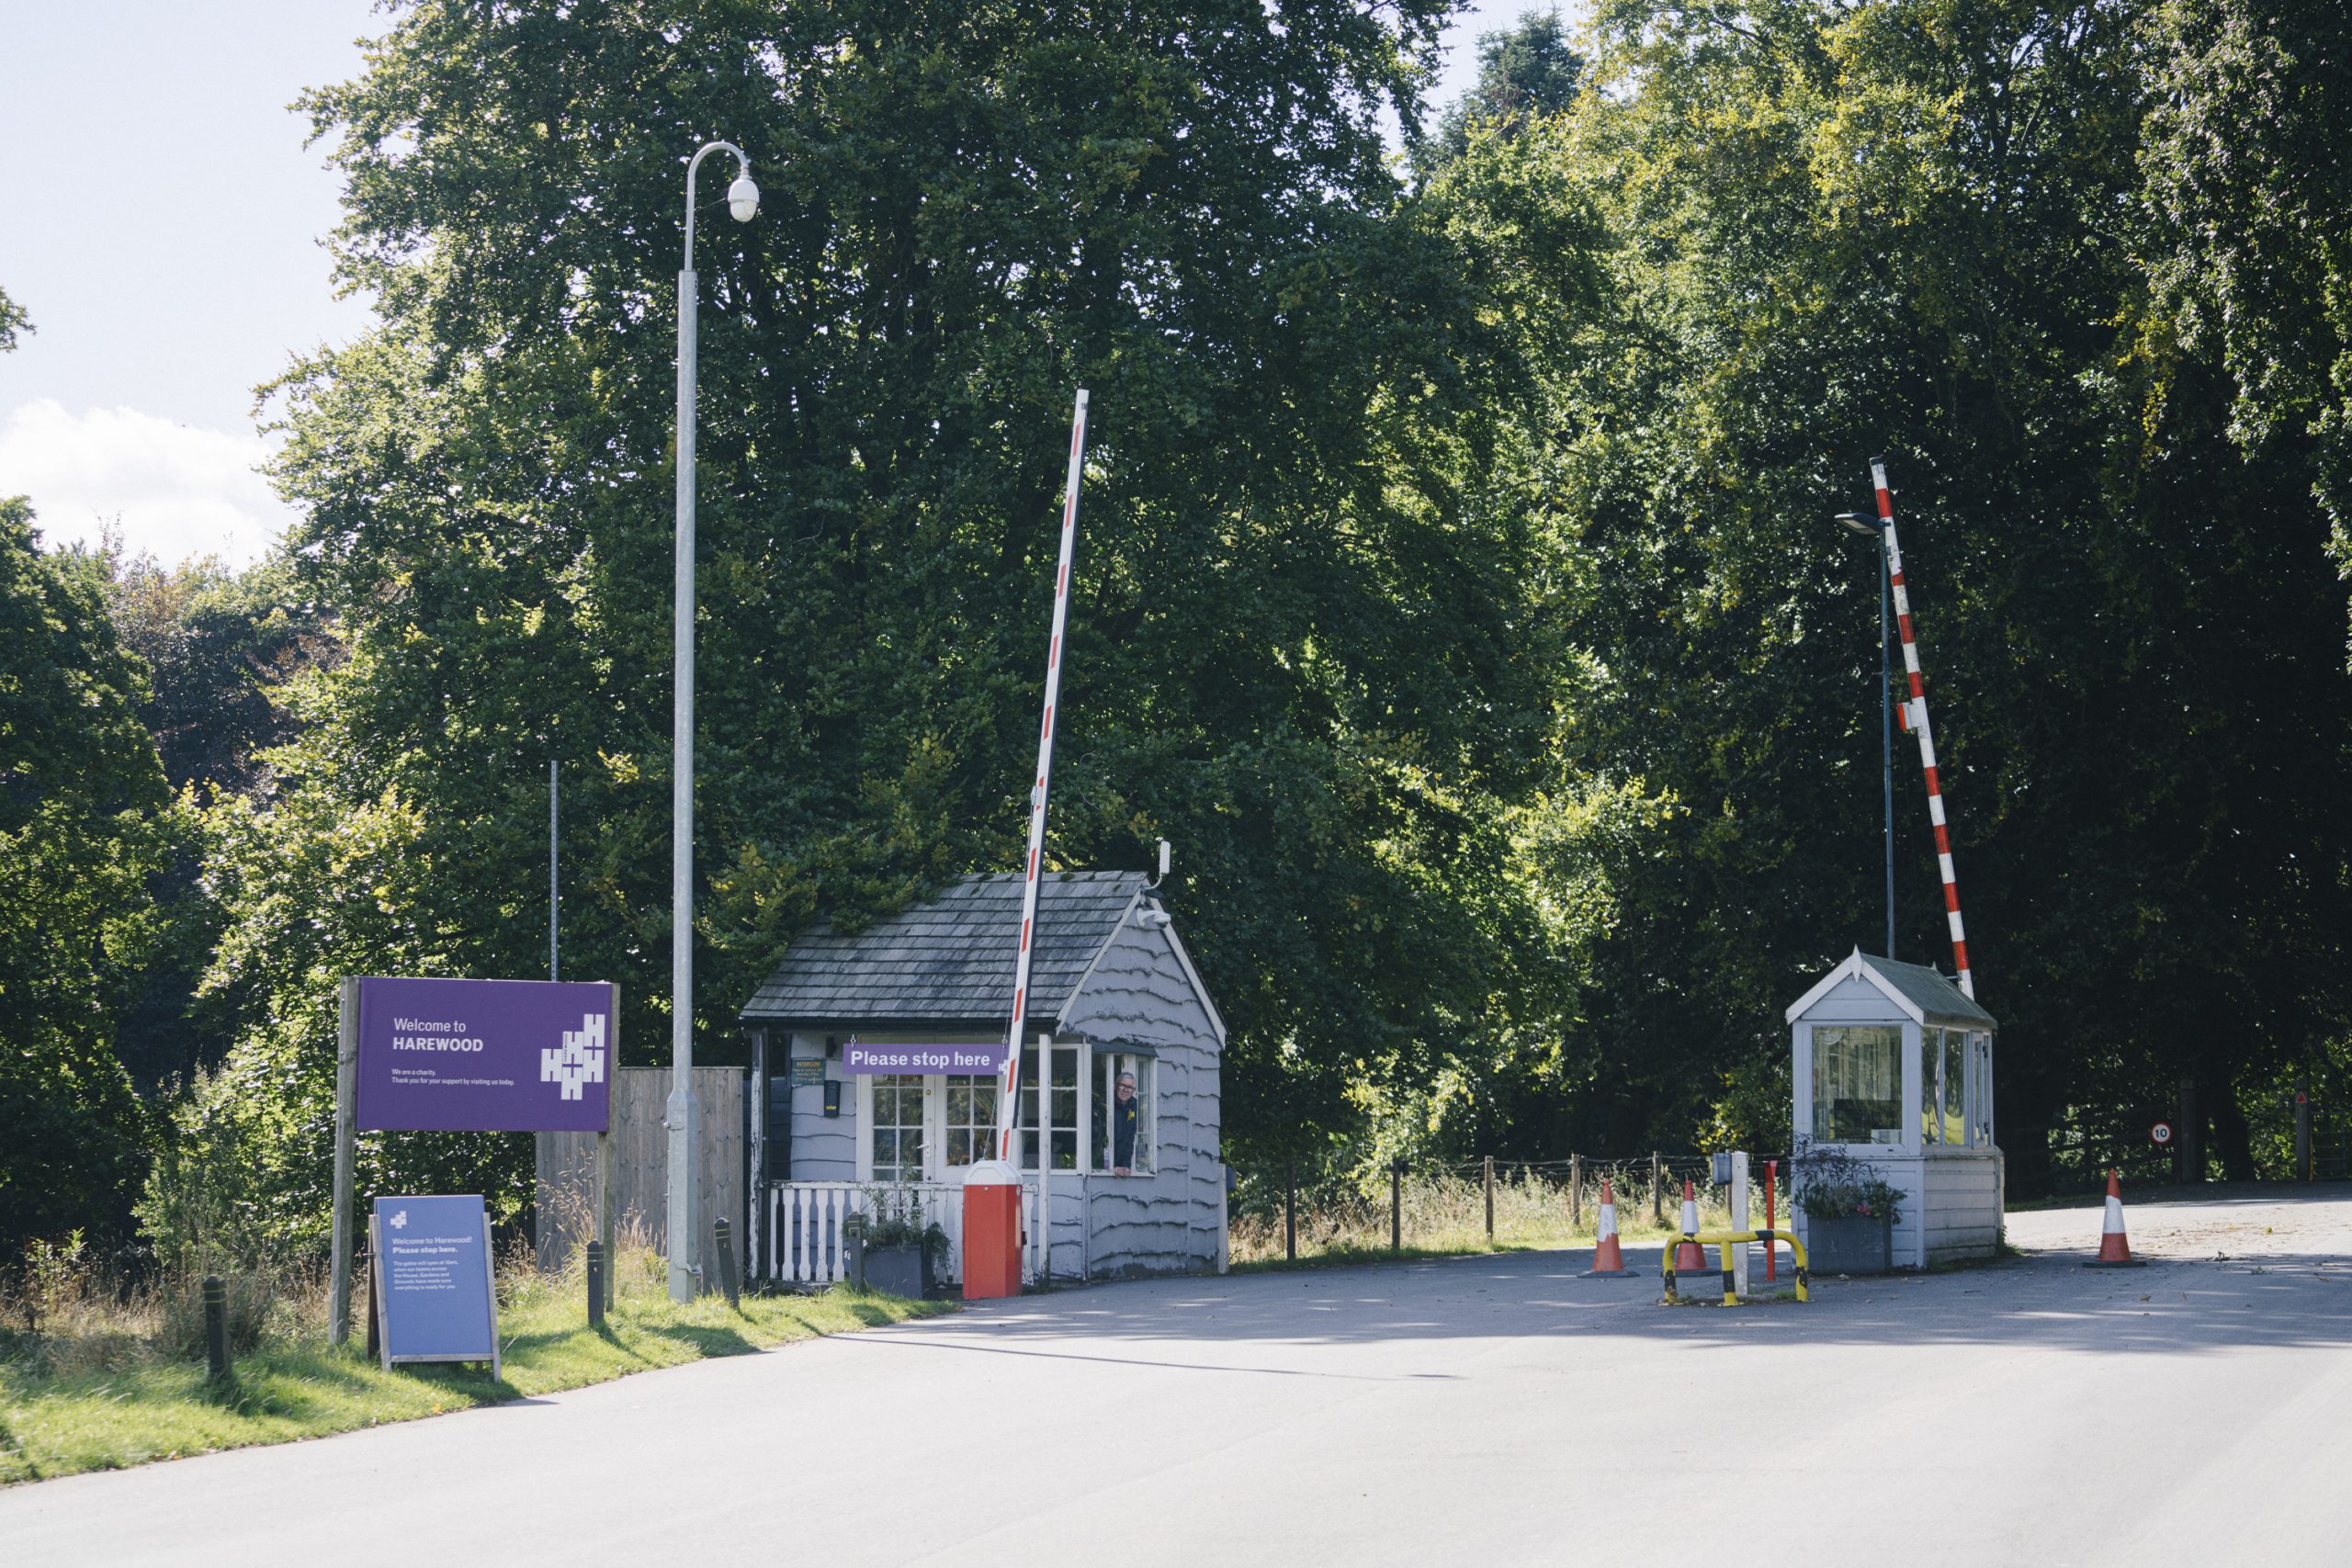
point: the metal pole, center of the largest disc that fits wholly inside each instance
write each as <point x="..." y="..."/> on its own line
<point x="553" y="973"/>
<point x="1489" y="1174"/>
<point x="1739" y="1263"/>
<point x="1575" y="1193"/>
<point x="682" y="1231"/>
<point x="1886" y="740"/>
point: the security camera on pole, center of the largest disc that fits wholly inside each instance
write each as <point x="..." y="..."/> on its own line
<point x="743" y="201"/>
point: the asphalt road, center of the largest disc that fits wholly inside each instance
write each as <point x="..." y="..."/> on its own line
<point x="1476" y="1411"/>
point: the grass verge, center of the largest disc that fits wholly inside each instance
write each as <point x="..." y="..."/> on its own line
<point x="105" y="1419"/>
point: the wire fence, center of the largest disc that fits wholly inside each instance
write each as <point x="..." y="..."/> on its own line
<point x="1290" y="1212"/>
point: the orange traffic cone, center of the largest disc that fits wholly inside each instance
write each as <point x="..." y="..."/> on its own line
<point x="1607" y="1257"/>
<point x="2114" y="1251"/>
<point x="1690" y="1258"/>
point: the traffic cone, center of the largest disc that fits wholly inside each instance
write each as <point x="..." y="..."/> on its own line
<point x="1607" y="1257"/>
<point x="1690" y="1258"/>
<point x="2114" y="1251"/>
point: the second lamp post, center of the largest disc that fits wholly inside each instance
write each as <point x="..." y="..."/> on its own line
<point x="1875" y="531"/>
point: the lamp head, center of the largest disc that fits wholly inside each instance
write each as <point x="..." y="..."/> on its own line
<point x="1861" y="522"/>
<point x="743" y="197"/>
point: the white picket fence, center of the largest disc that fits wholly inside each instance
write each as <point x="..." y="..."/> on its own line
<point x="803" y="1244"/>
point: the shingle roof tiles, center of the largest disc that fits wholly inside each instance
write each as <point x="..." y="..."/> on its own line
<point x="951" y="958"/>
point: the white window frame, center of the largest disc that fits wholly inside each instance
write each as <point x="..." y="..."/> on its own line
<point x="931" y="1150"/>
<point x="1146" y="1066"/>
<point x="1906" y="1090"/>
<point x="935" y="1097"/>
<point x="1034" y="1097"/>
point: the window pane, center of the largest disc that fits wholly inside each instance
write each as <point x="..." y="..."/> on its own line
<point x="1856" y="1083"/>
<point x="1931" y="1053"/>
<point x="1955" y="1088"/>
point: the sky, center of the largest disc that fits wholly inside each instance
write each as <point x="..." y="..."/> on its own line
<point x="163" y="225"/>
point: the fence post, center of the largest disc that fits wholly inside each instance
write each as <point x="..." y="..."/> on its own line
<point x="1575" y="1193"/>
<point x="1290" y="1208"/>
<point x="1657" y="1188"/>
<point x="595" y="1284"/>
<point x="1490" y="1198"/>
<point x="723" y="1234"/>
<point x="2304" y="1126"/>
<point x="216" y="1328"/>
<point x="1396" y="1205"/>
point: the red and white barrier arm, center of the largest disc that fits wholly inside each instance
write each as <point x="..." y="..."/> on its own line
<point x="1037" y="807"/>
<point x="1914" y="713"/>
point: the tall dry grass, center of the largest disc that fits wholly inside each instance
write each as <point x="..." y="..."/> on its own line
<point x="67" y="1310"/>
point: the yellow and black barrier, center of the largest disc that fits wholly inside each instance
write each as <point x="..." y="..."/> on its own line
<point x="1727" y="1240"/>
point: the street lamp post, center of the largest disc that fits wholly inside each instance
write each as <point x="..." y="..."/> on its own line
<point x="743" y="201"/>
<point x="1872" y="529"/>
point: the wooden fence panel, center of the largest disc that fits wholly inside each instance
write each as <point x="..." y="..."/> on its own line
<point x="566" y="1164"/>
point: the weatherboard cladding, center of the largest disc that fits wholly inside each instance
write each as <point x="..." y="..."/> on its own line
<point x="951" y="959"/>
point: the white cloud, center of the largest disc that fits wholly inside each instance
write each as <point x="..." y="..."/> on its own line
<point x="174" y="490"/>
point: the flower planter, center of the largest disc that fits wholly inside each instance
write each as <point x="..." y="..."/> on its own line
<point x="1853" y="1244"/>
<point x="902" y="1270"/>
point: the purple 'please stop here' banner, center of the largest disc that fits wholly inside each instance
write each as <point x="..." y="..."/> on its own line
<point x="487" y="1055"/>
<point x="953" y="1056"/>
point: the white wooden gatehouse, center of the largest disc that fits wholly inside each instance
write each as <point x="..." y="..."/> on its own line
<point x="1893" y="1066"/>
<point x="1115" y="1002"/>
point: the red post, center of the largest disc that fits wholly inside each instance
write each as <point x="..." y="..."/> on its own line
<point x="1772" y="1253"/>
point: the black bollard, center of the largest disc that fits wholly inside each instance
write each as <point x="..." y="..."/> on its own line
<point x="1290" y="1210"/>
<point x="375" y="1325"/>
<point x="724" y="1234"/>
<point x="853" y="1246"/>
<point x="216" y="1328"/>
<point x="595" y="1284"/>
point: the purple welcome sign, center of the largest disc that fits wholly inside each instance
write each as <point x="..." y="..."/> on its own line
<point x="487" y="1055"/>
<point x="955" y="1056"/>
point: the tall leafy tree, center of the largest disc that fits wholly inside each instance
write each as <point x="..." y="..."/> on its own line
<point x="2253" y="261"/>
<point x="1912" y="227"/>
<point x="1303" y="646"/>
<point x="82" y="833"/>
<point x="1524" y="72"/>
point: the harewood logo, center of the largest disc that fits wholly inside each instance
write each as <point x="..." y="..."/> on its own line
<point x="579" y="1060"/>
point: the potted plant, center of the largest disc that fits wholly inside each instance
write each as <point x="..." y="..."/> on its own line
<point x="1851" y="1212"/>
<point x="898" y="1250"/>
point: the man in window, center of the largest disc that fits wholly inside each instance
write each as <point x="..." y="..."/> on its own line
<point x="1126" y="1119"/>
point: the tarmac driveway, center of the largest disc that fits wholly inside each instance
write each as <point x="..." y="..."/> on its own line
<point x="1473" y="1411"/>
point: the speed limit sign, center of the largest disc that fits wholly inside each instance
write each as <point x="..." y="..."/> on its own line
<point x="2161" y="1132"/>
